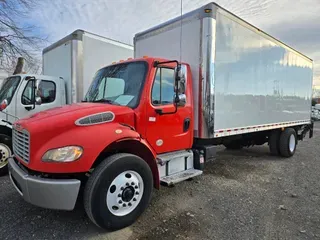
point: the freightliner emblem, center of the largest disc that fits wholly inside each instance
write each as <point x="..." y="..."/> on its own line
<point x="18" y="126"/>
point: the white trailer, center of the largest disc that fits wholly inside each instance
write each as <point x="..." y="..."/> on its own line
<point x="69" y="65"/>
<point x="245" y="81"/>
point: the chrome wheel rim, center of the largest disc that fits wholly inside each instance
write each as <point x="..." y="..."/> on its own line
<point x="125" y="193"/>
<point x="292" y="143"/>
<point x="5" y="153"/>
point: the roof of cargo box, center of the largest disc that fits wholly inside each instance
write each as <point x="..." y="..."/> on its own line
<point x="77" y="35"/>
<point x="209" y="10"/>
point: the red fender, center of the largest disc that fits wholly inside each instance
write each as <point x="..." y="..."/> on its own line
<point x="94" y="140"/>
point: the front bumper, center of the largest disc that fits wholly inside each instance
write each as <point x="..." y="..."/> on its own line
<point x="47" y="193"/>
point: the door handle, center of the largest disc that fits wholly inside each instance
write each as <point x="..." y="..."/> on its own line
<point x="186" y="124"/>
<point x="28" y="108"/>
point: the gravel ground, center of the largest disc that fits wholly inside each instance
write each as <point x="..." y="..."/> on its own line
<point x="245" y="194"/>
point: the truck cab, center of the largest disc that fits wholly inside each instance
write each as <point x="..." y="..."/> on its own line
<point x="137" y="116"/>
<point x="23" y="95"/>
<point x="18" y="92"/>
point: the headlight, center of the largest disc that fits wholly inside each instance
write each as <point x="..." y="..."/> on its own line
<point x="64" y="154"/>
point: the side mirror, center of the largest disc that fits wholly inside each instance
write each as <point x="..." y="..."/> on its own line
<point x="180" y="78"/>
<point x="38" y="82"/>
<point x="38" y="100"/>
<point x="181" y="100"/>
<point x="180" y="97"/>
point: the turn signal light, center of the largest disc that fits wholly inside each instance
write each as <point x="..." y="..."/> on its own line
<point x="4" y="104"/>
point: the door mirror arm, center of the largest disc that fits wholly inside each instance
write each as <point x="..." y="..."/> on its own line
<point x="33" y="79"/>
<point x="159" y="111"/>
<point x="36" y="92"/>
<point x="177" y="78"/>
<point x="36" y="99"/>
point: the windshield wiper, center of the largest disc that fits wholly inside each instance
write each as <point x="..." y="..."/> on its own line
<point x="103" y="100"/>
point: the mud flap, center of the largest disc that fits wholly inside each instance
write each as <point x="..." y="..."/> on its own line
<point x="311" y="130"/>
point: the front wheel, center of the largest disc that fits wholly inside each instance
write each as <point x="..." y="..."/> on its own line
<point x="118" y="191"/>
<point x="5" y="153"/>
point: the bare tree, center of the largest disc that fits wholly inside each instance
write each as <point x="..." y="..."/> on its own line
<point x="315" y="92"/>
<point x="18" y="39"/>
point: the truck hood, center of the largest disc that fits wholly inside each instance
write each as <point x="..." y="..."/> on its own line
<point x="66" y="109"/>
<point x="64" y="118"/>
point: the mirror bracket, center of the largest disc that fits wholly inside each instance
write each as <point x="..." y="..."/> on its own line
<point x="159" y="111"/>
<point x="37" y="97"/>
<point x="27" y="78"/>
<point x="179" y="87"/>
<point x="38" y="100"/>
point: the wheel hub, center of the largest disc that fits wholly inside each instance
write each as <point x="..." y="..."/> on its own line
<point x="125" y="193"/>
<point x="292" y="143"/>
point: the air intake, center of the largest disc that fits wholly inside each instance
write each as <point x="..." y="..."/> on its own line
<point x="96" y="118"/>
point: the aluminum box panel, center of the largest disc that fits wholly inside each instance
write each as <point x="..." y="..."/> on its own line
<point x="242" y="77"/>
<point x="165" y="43"/>
<point x="257" y="80"/>
<point x="58" y="62"/>
<point x="78" y="56"/>
<point x="99" y="52"/>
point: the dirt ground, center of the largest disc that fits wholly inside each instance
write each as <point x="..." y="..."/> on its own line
<point x="244" y="194"/>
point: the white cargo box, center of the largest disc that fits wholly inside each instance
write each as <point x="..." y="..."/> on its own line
<point x="77" y="57"/>
<point x="244" y="80"/>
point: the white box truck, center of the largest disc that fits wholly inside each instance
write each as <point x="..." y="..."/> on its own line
<point x="157" y="120"/>
<point x="69" y="66"/>
<point x="244" y="80"/>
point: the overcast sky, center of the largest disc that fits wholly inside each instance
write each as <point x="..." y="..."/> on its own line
<point x="297" y="23"/>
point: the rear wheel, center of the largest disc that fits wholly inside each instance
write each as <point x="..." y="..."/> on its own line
<point x="5" y="153"/>
<point x="118" y="191"/>
<point x="288" y="142"/>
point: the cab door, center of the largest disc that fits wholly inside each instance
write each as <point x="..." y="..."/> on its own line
<point x="49" y="92"/>
<point x="172" y="130"/>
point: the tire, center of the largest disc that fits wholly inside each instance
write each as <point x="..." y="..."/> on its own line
<point x="5" y="153"/>
<point x="233" y="145"/>
<point x="274" y="140"/>
<point x="117" y="179"/>
<point x="288" y="142"/>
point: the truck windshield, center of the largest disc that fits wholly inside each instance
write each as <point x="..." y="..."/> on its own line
<point x="8" y="88"/>
<point x="119" y="84"/>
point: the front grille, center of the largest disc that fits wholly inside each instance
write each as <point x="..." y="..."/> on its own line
<point x="21" y="143"/>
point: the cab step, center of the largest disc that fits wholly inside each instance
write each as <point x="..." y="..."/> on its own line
<point x="180" y="176"/>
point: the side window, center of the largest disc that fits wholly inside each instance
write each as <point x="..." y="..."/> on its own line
<point x="27" y="97"/>
<point x="163" y="87"/>
<point x="47" y="91"/>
